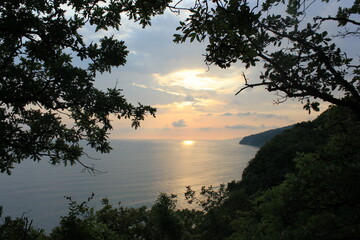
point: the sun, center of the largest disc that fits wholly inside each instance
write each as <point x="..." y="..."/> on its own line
<point x="188" y="142"/>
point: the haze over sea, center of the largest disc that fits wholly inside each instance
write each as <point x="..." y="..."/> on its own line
<point x="136" y="172"/>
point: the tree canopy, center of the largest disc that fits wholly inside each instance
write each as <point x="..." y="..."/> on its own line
<point x="300" y="185"/>
<point x="48" y="102"/>
<point x="300" y="58"/>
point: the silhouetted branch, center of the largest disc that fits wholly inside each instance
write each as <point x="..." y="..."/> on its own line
<point x="177" y="9"/>
<point x="347" y="20"/>
<point x="247" y="85"/>
<point x="90" y="169"/>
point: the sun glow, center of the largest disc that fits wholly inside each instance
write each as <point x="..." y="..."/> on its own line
<point x="197" y="79"/>
<point x="188" y="142"/>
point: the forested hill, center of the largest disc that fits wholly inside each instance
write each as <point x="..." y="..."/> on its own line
<point x="302" y="184"/>
<point x="259" y="139"/>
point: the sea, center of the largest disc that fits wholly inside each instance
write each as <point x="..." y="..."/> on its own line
<point x="133" y="174"/>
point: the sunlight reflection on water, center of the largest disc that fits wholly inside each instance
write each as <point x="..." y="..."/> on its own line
<point x="137" y="171"/>
<point x="188" y="142"/>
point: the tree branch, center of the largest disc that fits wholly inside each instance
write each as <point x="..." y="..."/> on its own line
<point x="347" y="20"/>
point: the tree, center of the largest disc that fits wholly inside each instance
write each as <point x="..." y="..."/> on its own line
<point x="300" y="58"/>
<point x="19" y="228"/>
<point x="166" y="223"/>
<point x="318" y="199"/>
<point x="48" y="103"/>
<point x="263" y="173"/>
<point x="82" y="223"/>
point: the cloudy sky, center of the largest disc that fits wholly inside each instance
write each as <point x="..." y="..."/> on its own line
<point x="192" y="101"/>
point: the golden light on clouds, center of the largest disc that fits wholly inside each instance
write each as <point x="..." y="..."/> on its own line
<point x="202" y="105"/>
<point x="158" y="89"/>
<point x="192" y="102"/>
<point x="184" y="104"/>
<point x="198" y="105"/>
<point x="198" y="79"/>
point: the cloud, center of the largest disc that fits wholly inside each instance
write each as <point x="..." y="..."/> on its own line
<point x="139" y="85"/>
<point x="255" y="114"/>
<point x="245" y="114"/>
<point x="197" y="79"/>
<point x="227" y="114"/>
<point x="159" y="89"/>
<point x="190" y="98"/>
<point x="269" y="115"/>
<point x="180" y="123"/>
<point x="174" y="79"/>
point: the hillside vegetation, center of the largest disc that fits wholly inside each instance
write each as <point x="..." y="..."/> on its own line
<point x="303" y="184"/>
<point x="259" y="139"/>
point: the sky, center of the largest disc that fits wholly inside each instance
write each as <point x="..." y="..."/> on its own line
<point x="192" y="100"/>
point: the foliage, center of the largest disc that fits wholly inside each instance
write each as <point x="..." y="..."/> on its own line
<point x="165" y="222"/>
<point x="300" y="57"/>
<point x="214" y="224"/>
<point x="314" y="198"/>
<point x="309" y="195"/>
<point x="261" y="174"/>
<point x="319" y="200"/>
<point x="259" y="139"/>
<point x="125" y="222"/>
<point x="161" y="221"/>
<point x="48" y="102"/>
<point x="300" y="185"/>
<point x="19" y="229"/>
<point x="81" y="223"/>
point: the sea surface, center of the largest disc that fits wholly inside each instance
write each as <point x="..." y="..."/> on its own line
<point x="135" y="172"/>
